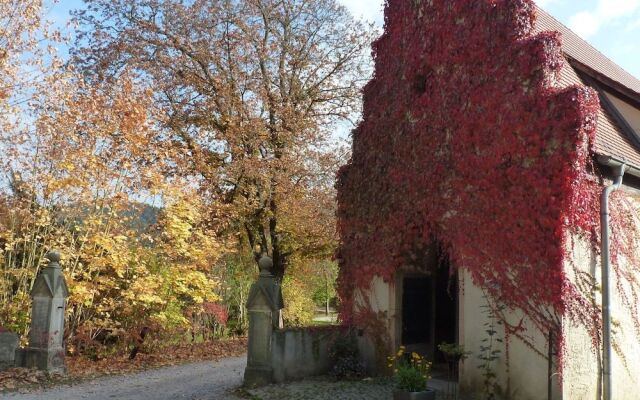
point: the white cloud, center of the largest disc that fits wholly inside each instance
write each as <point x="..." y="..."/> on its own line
<point x="544" y="3"/>
<point x="370" y="10"/>
<point x="588" y="23"/>
<point x="617" y="8"/>
<point x="585" y="24"/>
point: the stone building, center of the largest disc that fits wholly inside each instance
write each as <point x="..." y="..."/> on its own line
<point x="470" y="211"/>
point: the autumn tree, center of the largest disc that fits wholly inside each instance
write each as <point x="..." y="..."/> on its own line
<point x="21" y="24"/>
<point x="21" y="64"/>
<point x="252" y="91"/>
<point x="19" y="21"/>
<point x="87" y="173"/>
<point x="81" y="173"/>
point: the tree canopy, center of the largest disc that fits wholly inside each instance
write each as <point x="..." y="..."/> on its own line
<point x="178" y="142"/>
<point x="250" y="93"/>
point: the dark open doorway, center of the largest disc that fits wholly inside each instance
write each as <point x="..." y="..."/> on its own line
<point x="430" y="312"/>
<point x="417" y="310"/>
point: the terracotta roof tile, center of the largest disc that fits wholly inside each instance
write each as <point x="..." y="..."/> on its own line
<point x="610" y="138"/>
<point x="581" y="51"/>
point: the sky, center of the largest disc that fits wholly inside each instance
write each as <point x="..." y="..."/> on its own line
<point x="611" y="26"/>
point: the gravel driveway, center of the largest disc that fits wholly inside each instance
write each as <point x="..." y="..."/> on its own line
<point x="199" y="381"/>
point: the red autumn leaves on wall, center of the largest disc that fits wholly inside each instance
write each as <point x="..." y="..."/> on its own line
<point x="466" y="142"/>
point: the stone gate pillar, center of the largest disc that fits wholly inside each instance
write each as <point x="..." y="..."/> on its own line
<point x="49" y="294"/>
<point x="264" y="305"/>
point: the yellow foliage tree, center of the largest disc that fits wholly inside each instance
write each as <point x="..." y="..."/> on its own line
<point x="80" y="183"/>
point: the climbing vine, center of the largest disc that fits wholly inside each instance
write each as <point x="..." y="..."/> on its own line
<point x="467" y="141"/>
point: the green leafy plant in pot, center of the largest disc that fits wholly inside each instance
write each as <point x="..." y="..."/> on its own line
<point x="411" y="371"/>
<point x="453" y="352"/>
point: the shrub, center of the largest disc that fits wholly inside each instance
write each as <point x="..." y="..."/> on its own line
<point x="345" y="356"/>
<point x="298" y="304"/>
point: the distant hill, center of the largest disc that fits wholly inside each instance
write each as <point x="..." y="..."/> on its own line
<point x="142" y="216"/>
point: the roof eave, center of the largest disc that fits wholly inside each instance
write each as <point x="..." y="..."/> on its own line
<point x="604" y="79"/>
<point x="613" y="162"/>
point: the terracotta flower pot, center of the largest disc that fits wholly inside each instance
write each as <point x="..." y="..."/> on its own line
<point x="428" y="394"/>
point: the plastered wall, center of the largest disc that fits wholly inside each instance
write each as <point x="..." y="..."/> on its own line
<point x="524" y="376"/>
<point x="582" y="367"/>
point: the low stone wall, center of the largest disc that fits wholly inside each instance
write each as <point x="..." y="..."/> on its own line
<point x="303" y="352"/>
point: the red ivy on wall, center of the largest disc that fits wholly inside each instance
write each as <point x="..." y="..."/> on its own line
<point x="466" y="142"/>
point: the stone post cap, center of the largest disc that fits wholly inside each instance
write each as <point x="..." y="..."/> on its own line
<point x="50" y="282"/>
<point x="53" y="256"/>
<point x="265" y="263"/>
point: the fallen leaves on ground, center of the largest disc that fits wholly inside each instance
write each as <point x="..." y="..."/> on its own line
<point x="14" y="378"/>
<point x="79" y="367"/>
<point x="178" y="354"/>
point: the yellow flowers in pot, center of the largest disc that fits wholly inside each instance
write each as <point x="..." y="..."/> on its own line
<point x="410" y="370"/>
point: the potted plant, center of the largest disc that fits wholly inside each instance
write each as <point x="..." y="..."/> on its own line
<point x="453" y="352"/>
<point x="411" y="372"/>
<point x="453" y="355"/>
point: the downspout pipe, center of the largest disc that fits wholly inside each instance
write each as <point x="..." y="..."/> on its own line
<point x="618" y="172"/>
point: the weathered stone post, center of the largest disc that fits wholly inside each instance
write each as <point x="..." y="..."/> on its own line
<point x="49" y="294"/>
<point x="9" y="342"/>
<point x="264" y="305"/>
